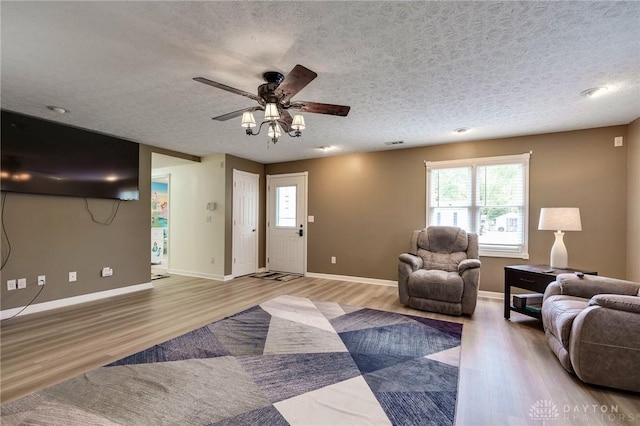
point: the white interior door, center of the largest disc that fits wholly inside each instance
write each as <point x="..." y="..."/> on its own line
<point x="287" y="222"/>
<point x="245" y="223"/>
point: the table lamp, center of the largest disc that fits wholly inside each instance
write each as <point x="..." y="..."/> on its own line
<point x="559" y="219"/>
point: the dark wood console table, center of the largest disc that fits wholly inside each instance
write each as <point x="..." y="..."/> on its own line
<point x="531" y="277"/>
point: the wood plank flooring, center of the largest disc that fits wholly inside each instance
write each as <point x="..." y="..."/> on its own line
<point x="506" y="366"/>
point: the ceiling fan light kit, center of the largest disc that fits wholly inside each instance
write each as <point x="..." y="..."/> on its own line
<point x="274" y="98"/>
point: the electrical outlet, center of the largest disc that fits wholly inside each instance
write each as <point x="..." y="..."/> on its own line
<point x="42" y="279"/>
<point x="22" y="283"/>
<point x="73" y="277"/>
<point x="11" y="284"/>
<point x="333" y="259"/>
<point x="106" y="272"/>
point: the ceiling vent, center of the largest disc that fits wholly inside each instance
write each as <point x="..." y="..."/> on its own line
<point x="394" y="143"/>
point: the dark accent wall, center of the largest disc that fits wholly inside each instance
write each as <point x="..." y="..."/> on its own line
<point x="366" y="205"/>
<point x="248" y="166"/>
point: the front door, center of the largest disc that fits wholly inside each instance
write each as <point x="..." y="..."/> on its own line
<point x="286" y="222"/>
<point x="245" y="223"/>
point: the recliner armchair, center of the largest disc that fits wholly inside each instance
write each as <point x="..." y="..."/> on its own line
<point x="441" y="271"/>
<point x="592" y="324"/>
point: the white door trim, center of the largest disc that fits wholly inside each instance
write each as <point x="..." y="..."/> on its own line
<point x="257" y="217"/>
<point x="305" y="176"/>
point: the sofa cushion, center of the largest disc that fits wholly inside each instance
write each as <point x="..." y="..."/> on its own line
<point x="558" y="312"/>
<point x="436" y="284"/>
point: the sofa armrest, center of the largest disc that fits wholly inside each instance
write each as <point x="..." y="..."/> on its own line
<point x="604" y="346"/>
<point x="553" y="289"/>
<point x="468" y="264"/>
<point x="588" y="286"/>
<point x="412" y="260"/>
<point x="617" y="302"/>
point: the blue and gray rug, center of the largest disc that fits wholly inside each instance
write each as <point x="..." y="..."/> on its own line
<point x="287" y="361"/>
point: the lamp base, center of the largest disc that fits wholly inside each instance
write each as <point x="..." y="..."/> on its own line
<point x="559" y="256"/>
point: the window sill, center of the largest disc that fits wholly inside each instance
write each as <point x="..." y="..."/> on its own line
<point x="489" y="253"/>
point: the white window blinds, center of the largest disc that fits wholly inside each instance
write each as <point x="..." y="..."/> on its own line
<point x="486" y="196"/>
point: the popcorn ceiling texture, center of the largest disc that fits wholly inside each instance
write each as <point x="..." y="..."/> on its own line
<point x="411" y="71"/>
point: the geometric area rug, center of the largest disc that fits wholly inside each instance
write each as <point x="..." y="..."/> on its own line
<point x="287" y="361"/>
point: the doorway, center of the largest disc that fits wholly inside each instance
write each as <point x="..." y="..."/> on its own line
<point x="287" y="223"/>
<point x="160" y="222"/>
<point x="245" y="223"/>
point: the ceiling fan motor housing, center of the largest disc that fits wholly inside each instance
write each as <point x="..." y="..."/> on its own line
<point x="267" y="92"/>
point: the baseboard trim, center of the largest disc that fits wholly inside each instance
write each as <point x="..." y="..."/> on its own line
<point x="215" y="277"/>
<point x="68" y="301"/>
<point x="481" y="293"/>
<point x="352" y="279"/>
<point x="491" y="295"/>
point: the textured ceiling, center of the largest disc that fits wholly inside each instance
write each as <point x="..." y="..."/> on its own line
<point x="411" y="71"/>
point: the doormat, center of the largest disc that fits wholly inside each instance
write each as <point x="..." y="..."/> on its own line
<point x="159" y="276"/>
<point x="277" y="276"/>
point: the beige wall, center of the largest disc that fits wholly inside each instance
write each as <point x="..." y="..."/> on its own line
<point x="52" y="235"/>
<point x="366" y="205"/>
<point x="633" y="202"/>
<point x="196" y="235"/>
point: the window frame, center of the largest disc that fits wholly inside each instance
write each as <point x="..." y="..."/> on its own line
<point x="507" y="251"/>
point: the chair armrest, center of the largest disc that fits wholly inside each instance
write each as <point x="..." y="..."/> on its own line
<point x="412" y="260"/>
<point x="617" y="302"/>
<point x="468" y="264"/>
<point x="590" y="285"/>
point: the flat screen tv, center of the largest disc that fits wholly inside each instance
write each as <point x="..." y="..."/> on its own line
<point x="43" y="157"/>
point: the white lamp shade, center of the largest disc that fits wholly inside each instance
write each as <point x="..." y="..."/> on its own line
<point x="271" y="112"/>
<point x="248" y="120"/>
<point x="298" y="122"/>
<point x="274" y="130"/>
<point x="560" y="219"/>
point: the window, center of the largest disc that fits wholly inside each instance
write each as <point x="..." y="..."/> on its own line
<point x="486" y="196"/>
<point x="286" y="206"/>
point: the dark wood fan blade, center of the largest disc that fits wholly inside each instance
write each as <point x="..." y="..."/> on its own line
<point x="295" y="81"/>
<point x="235" y="114"/>
<point x="285" y="120"/>
<point x="227" y="88"/>
<point x="318" y="108"/>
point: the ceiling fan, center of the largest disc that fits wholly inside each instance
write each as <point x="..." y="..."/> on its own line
<point x="274" y="98"/>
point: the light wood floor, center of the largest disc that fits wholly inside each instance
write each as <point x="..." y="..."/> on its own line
<point x="506" y="366"/>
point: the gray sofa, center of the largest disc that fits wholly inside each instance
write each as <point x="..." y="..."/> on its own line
<point x="441" y="271"/>
<point x="592" y="324"/>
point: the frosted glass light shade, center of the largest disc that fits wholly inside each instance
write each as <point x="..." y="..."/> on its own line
<point x="274" y="130"/>
<point x="298" y="122"/>
<point x="271" y="112"/>
<point x="560" y="219"/>
<point x="248" y="120"/>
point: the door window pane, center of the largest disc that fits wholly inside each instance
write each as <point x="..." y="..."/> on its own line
<point x="286" y="197"/>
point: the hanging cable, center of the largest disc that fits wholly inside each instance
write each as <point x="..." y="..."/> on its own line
<point x="26" y="306"/>
<point x="114" y="212"/>
<point x="5" y="236"/>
